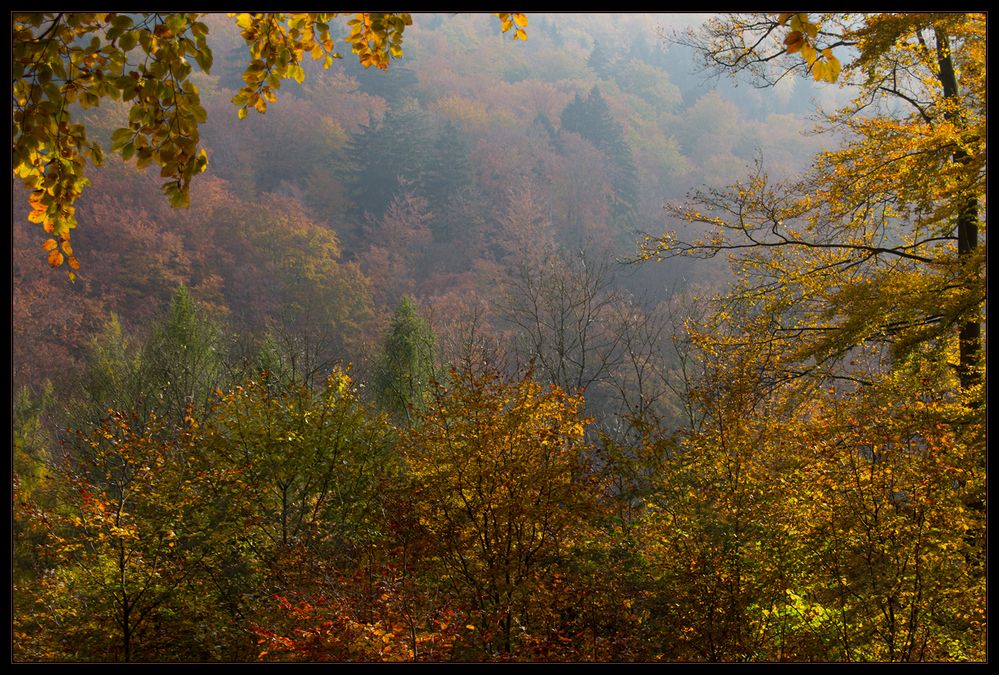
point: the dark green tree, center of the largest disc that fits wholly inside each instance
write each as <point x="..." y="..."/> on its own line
<point x="591" y="118"/>
<point x="389" y="156"/>
<point x="405" y="366"/>
<point x="599" y="61"/>
<point x="448" y="174"/>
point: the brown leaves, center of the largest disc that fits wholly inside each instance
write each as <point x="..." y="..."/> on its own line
<point x="794" y="41"/>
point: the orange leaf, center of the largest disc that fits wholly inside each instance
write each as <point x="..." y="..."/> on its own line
<point x="74" y="263"/>
<point x="49" y="244"/>
<point x="55" y="258"/>
<point x="35" y="199"/>
<point x="794" y="41"/>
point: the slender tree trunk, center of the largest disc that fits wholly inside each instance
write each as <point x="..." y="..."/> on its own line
<point x="970" y="336"/>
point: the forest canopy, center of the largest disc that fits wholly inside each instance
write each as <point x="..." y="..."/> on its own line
<point x="654" y="338"/>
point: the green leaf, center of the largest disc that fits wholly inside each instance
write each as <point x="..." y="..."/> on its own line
<point x="127" y="40"/>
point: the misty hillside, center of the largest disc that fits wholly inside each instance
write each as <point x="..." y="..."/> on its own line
<point x="617" y="337"/>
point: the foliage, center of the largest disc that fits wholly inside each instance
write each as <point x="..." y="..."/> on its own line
<point x="405" y="367"/>
<point x="66" y="58"/>
<point x="499" y="481"/>
<point x="309" y="464"/>
<point x="896" y="207"/>
<point x="591" y="118"/>
<point x="795" y="470"/>
<point x="177" y="367"/>
<point x="125" y="543"/>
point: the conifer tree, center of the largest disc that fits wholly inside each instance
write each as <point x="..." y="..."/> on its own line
<point x="406" y="364"/>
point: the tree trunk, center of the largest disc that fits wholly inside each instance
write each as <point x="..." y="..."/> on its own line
<point x="970" y="336"/>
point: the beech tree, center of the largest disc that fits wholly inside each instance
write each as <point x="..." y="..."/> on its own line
<point x="879" y="240"/>
<point x="844" y="364"/>
<point x="499" y="481"/>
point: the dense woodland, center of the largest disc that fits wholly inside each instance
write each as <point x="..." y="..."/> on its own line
<point x="427" y="371"/>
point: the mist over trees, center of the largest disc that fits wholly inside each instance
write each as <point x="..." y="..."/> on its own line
<point x="563" y="337"/>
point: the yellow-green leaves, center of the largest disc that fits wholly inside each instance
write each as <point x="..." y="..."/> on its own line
<point x="67" y="58"/>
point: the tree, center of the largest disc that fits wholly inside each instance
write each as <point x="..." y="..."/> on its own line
<point x="180" y="364"/>
<point x="879" y="241"/>
<point x="71" y="58"/>
<point x="561" y="308"/>
<point x="312" y="459"/>
<point x="126" y="543"/>
<point x="389" y="157"/>
<point x="499" y="480"/>
<point x="448" y="173"/>
<point x="843" y="360"/>
<point x="405" y="367"/>
<point x="591" y="118"/>
<point x="599" y="60"/>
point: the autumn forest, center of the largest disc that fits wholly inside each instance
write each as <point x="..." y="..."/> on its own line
<point x="498" y="337"/>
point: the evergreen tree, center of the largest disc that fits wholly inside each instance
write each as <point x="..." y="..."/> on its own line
<point x="545" y="123"/>
<point x="389" y="156"/>
<point x="181" y="362"/>
<point x="110" y="377"/>
<point x="406" y="364"/>
<point x="591" y="118"/>
<point x="574" y="117"/>
<point x="599" y="61"/>
<point x="448" y="173"/>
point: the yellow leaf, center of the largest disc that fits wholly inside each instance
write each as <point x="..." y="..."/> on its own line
<point x="520" y="19"/>
<point x="819" y="70"/>
<point x="809" y="53"/>
<point x="834" y="68"/>
<point x="49" y="244"/>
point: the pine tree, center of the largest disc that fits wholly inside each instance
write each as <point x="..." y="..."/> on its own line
<point x="388" y="157"/>
<point x="599" y="61"/>
<point x="448" y="173"/>
<point x="183" y="360"/>
<point x="591" y="118"/>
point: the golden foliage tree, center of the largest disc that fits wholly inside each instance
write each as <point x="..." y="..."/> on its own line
<point x="498" y="472"/>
